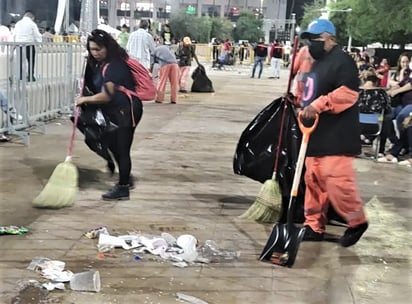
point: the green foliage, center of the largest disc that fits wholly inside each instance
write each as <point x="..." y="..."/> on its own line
<point x="183" y="25"/>
<point x="248" y="27"/>
<point x="221" y="28"/>
<point x="201" y="29"/>
<point x="384" y="21"/>
<point x="312" y="11"/>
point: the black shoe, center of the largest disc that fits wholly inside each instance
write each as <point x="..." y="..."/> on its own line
<point x="312" y="236"/>
<point x="182" y="91"/>
<point x="118" y="193"/>
<point x="352" y="235"/>
<point x="252" y="76"/>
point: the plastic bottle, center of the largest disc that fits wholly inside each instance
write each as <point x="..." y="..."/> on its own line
<point x="213" y="254"/>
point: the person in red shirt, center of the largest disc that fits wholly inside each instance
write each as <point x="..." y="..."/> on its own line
<point x="383" y="73"/>
<point x="227" y="46"/>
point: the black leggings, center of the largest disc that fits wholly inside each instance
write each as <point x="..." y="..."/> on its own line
<point x="120" y="145"/>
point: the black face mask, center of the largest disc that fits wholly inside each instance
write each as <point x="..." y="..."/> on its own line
<point x="316" y="49"/>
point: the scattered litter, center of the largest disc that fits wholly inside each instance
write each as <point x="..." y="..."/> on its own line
<point x="181" y="264"/>
<point x="53" y="270"/>
<point x="34" y="264"/>
<point x="94" y="233"/>
<point x="170" y="239"/>
<point x="182" y="251"/>
<point x="51" y="286"/>
<point x="14" y="230"/>
<point x="211" y="253"/>
<point x="86" y="281"/>
<point x="137" y="258"/>
<point x="190" y="299"/>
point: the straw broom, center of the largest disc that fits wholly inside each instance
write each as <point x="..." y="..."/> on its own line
<point x="62" y="188"/>
<point x="268" y="203"/>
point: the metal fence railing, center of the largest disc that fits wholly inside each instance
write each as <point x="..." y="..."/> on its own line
<point x="38" y="82"/>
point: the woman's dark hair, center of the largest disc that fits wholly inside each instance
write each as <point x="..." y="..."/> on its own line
<point x="370" y="75"/>
<point x="104" y="39"/>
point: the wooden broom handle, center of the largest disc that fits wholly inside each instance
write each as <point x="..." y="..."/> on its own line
<point x="282" y="122"/>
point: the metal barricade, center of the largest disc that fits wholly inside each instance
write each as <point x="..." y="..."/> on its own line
<point x="38" y="83"/>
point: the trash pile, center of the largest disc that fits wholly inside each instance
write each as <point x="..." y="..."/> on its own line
<point x="14" y="230"/>
<point x="182" y="251"/>
<point x="53" y="270"/>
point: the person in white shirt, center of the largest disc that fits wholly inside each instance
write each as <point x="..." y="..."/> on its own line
<point x="140" y="45"/>
<point x="5" y="36"/>
<point x="27" y="31"/>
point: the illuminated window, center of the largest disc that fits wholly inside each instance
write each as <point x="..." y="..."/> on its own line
<point x="144" y="6"/>
<point x="125" y="6"/>
<point x="124" y="21"/>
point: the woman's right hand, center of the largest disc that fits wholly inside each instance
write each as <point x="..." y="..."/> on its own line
<point x="81" y="100"/>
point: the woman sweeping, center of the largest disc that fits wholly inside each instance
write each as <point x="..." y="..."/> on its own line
<point x="107" y="70"/>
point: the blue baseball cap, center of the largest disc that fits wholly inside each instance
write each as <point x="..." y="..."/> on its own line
<point x="317" y="27"/>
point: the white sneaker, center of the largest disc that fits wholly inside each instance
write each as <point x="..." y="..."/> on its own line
<point x="14" y="116"/>
<point x="406" y="163"/>
<point x="385" y="159"/>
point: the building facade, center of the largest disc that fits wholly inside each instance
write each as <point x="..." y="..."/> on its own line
<point x="118" y="12"/>
<point x="129" y="12"/>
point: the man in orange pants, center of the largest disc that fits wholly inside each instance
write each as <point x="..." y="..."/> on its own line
<point x="331" y="92"/>
<point x="169" y="70"/>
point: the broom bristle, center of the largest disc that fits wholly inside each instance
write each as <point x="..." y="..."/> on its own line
<point x="268" y="204"/>
<point x="61" y="189"/>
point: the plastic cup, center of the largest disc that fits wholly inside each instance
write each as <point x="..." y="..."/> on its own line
<point x="86" y="281"/>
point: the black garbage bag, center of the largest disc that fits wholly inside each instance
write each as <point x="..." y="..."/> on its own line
<point x="96" y="128"/>
<point x="201" y="83"/>
<point x="256" y="151"/>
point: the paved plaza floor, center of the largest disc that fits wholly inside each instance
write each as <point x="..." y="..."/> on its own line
<point x="182" y="157"/>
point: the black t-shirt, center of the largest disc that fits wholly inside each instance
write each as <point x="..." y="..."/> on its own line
<point x="119" y="73"/>
<point x="119" y="108"/>
<point x="336" y="134"/>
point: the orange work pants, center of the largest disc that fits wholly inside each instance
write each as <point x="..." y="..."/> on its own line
<point x="331" y="179"/>
<point x="171" y="72"/>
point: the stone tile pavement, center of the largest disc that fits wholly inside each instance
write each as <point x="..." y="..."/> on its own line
<point x="182" y="157"/>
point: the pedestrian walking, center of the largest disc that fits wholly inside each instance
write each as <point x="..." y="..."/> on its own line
<point x="123" y="37"/>
<point x="276" y="53"/>
<point x="167" y="35"/>
<point x="332" y="93"/>
<point x="185" y="54"/>
<point x="26" y="31"/>
<point x="168" y="70"/>
<point x="261" y="51"/>
<point x="140" y="45"/>
<point x="125" y="113"/>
